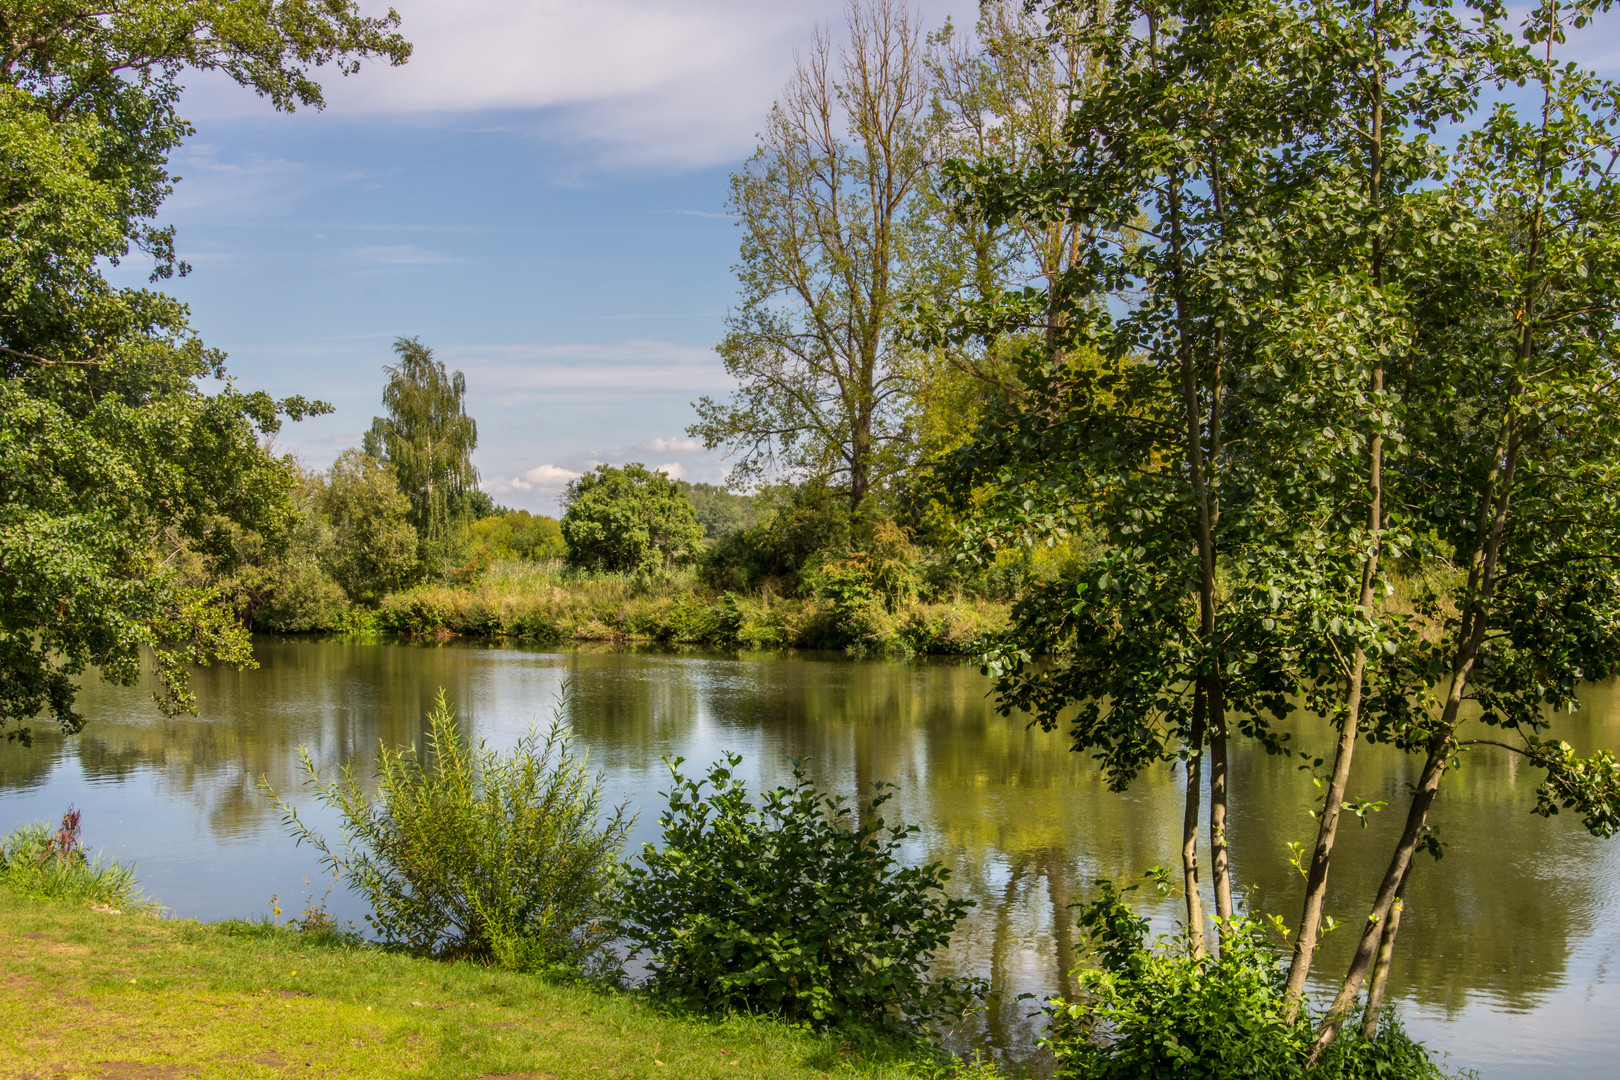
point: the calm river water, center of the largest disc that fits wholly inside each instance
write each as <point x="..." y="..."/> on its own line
<point x="1505" y="950"/>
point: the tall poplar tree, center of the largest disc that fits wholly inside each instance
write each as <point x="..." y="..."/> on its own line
<point x="429" y="439"/>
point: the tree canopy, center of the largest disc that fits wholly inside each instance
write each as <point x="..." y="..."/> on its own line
<point x="1336" y="356"/>
<point x="631" y="520"/>
<point x="429" y="439"/>
<point x="122" y="482"/>
<point x="826" y="266"/>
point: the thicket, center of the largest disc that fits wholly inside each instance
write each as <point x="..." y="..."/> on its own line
<point x="801" y="907"/>
<point x="1147" y="1009"/>
<point x="467" y="852"/>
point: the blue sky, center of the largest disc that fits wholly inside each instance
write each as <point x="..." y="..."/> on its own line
<point x="539" y="195"/>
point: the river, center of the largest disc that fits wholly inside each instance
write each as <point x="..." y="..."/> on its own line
<point x="1506" y="945"/>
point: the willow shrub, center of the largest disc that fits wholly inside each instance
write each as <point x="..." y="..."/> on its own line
<point x="799" y="908"/>
<point x="468" y="852"/>
<point x="1149" y="1010"/>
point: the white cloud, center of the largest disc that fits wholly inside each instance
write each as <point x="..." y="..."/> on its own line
<point x="672" y="469"/>
<point x="540" y="373"/>
<point x="236" y="189"/>
<point x="676" y="82"/>
<point x="401" y="255"/>
<point x="675" y="444"/>
<point x="546" y="479"/>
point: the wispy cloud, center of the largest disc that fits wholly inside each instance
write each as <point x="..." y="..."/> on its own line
<point x="389" y="255"/>
<point x="678" y="444"/>
<point x="679" y="83"/>
<point x="542" y="372"/>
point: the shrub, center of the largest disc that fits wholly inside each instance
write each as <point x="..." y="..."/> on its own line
<point x="473" y="853"/>
<point x="373" y="547"/>
<point x="1152" y="1010"/>
<point x="795" y="908"/>
<point x="518" y="534"/>
<point x="629" y="520"/>
<point x="34" y="861"/>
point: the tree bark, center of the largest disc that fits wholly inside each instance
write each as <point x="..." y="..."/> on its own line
<point x="1386" y="950"/>
<point x="1189" y="827"/>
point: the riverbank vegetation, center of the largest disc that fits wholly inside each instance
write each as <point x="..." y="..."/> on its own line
<point x="1201" y="386"/>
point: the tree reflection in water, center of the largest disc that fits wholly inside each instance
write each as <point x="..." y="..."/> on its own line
<point x="1512" y="918"/>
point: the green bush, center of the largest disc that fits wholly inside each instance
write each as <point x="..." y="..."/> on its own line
<point x="473" y="853"/>
<point x="34" y="861"/>
<point x="1147" y="1011"/>
<point x="373" y="547"/>
<point x="518" y="534"/>
<point x="800" y="525"/>
<point x="795" y="908"/>
<point x="630" y="520"/>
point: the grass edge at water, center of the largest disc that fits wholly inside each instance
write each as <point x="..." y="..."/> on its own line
<point x="246" y="1000"/>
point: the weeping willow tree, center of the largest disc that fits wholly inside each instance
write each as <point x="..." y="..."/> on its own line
<point x="428" y="438"/>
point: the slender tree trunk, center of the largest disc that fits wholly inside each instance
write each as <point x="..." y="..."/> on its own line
<point x="1495" y="503"/>
<point x="1220" y="861"/>
<point x="1386" y="950"/>
<point x="1316" y="879"/>
<point x="1496" y="500"/>
<point x="1189" y="827"/>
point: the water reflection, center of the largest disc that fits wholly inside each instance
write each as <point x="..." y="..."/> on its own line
<point x="1510" y="933"/>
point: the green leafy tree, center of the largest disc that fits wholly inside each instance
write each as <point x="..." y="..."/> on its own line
<point x="372" y="547"/>
<point x="429" y="440"/>
<point x="518" y="534"/>
<point x="630" y="520"/>
<point x="826" y="208"/>
<point x="1341" y="348"/>
<point x="123" y="483"/>
<point x="719" y="511"/>
<point x="281" y="582"/>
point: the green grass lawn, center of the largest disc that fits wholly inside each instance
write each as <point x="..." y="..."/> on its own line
<point x="85" y="993"/>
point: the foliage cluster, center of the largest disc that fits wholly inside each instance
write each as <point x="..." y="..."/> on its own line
<point x="123" y="476"/>
<point x="428" y="439"/>
<point x="802" y="908"/>
<point x="628" y="520"/>
<point x="536" y="602"/>
<point x="469" y="852"/>
<point x="719" y="511"/>
<point x="1149" y="1009"/>
<point x="799" y="907"/>
<point x="517" y="534"/>
<point x="52" y="865"/>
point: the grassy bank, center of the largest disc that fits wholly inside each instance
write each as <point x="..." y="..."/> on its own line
<point x="543" y="603"/>
<point x="92" y="994"/>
